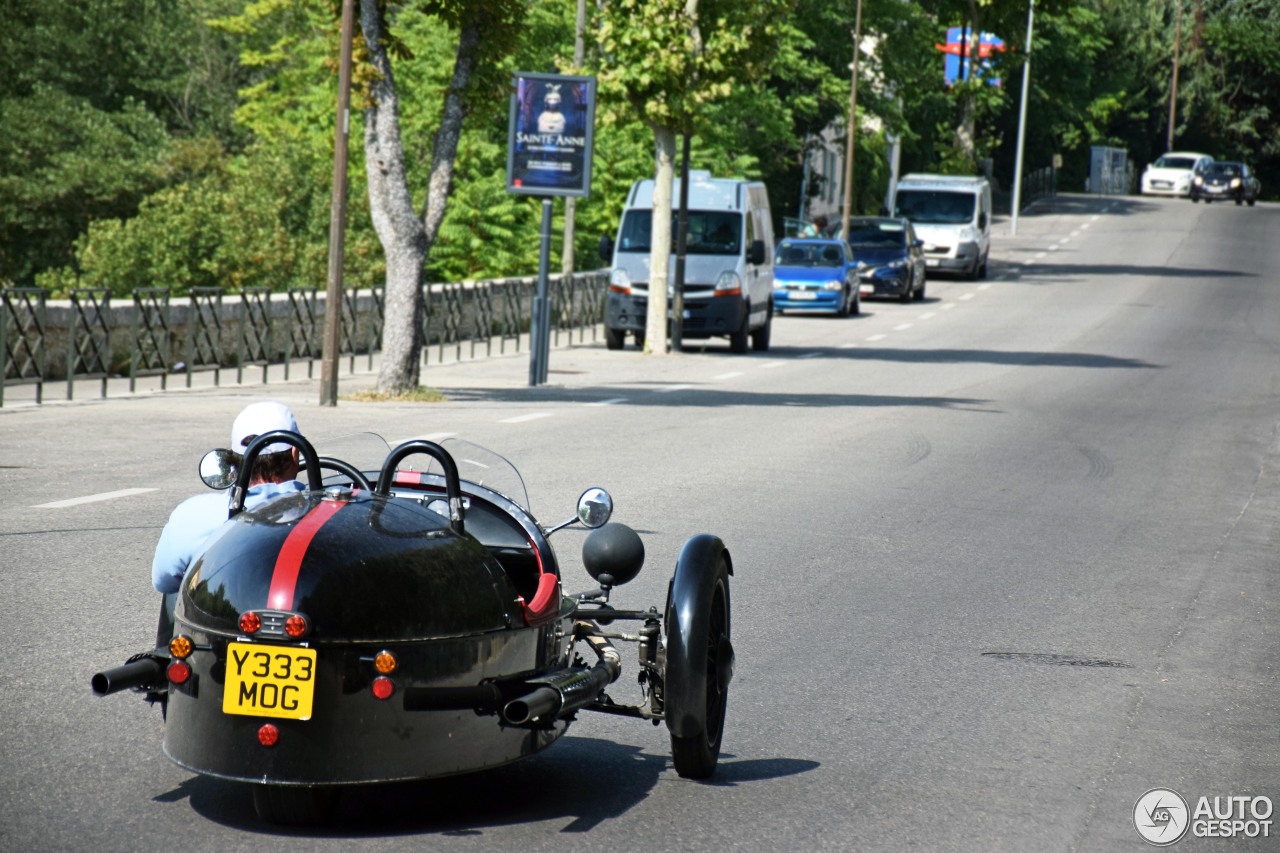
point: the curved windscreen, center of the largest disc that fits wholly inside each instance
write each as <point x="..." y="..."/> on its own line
<point x="935" y="207"/>
<point x="711" y="232"/>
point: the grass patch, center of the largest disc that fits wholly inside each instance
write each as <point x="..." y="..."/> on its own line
<point x="421" y="394"/>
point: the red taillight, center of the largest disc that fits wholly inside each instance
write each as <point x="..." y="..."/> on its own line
<point x="296" y="627"/>
<point x="178" y="672"/>
<point x="383" y="687"/>
<point x="250" y="622"/>
<point x="268" y="735"/>
<point x="625" y="291"/>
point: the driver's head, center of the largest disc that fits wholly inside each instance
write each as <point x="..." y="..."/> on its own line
<point x="277" y="462"/>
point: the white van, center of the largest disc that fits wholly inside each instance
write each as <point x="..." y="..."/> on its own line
<point x="728" y="271"/>
<point x="952" y="215"/>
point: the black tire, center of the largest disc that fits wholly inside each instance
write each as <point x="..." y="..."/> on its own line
<point x="982" y="268"/>
<point x="844" y="305"/>
<point x="857" y="303"/>
<point x="905" y="296"/>
<point x="739" y="339"/>
<point x="638" y="337"/>
<point x="1195" y="199"/>
<point x="1239" y="201"/>
<point x="295" y="805"/>
<point x="1252" y="201"/>
<point x="760" y="337"/>
<point x="614" y="338"/>
<point x="924" y="282"/>
<point x="696" y="754"/>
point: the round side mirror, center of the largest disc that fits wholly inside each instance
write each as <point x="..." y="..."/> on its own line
<point x="217" y="469"/>
<point x="595" y="507"/>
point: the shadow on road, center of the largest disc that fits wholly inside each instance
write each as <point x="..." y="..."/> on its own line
<point x="564" y="784"/>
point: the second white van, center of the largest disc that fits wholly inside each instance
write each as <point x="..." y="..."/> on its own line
<point x="952" y="215"/>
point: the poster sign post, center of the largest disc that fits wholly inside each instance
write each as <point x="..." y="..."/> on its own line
<point x="549" y="145"/>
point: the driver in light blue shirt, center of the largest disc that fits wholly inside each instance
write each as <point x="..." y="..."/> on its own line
<point x="196" y="522"/>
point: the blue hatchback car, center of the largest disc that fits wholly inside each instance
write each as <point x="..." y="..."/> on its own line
<point x="815" y="275"/>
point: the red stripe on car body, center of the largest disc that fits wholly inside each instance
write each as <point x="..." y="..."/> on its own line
<point x="284" y="580"/>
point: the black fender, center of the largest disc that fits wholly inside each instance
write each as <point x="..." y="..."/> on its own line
<point x="687" y="613"/>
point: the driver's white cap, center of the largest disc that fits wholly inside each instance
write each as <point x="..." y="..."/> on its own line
<point x="259" y="418"/>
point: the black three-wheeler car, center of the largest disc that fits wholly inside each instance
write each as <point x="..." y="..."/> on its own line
<point x="410" y="623"/>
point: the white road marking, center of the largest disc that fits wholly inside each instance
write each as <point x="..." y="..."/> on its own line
<point x="733" y="374"/>
<point x="770" y="364"/>
<point x="848" y="346"/>
<point x="88" y="499"/>
<point x="928" y="316"/>
<point x="672" y="388"/>
<point x="611" y="402"/>
<point x="1041" y="255"/>
<point x="811" y="355"/>
<point x="1053" y="248"/>
<point x="984" y="287"/>
<point x="431" y="436"/>
<point x="966" y="297"/>
<point x="519" y="419"/>
<point x="1085" y="225"/>
<point x="1064" y="240"/>
<point x="1096" y="216"/>
<point x="902" y="327"/>
<point x="947" y="306"/>
<point x="877" y="337"/>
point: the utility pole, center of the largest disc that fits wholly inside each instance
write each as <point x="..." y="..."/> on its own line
<point x="337" y="218"/>
<point x="1173" y="91"/>
<point x="571" y="203"/>
<point x="853" y="123"/>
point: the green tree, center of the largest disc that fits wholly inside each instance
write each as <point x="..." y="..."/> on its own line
<point x="667" y="61"/>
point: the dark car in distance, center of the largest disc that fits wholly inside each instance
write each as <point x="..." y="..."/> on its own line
<point x="889" y="257"/>
<point x="1224" y="179"/>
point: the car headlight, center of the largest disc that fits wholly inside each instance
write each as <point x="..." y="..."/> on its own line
<point x="728" y="284"/>
<point x="1235" y="182"/>
<point x="833" y="285"/>
<point x="619" y="278"/>
<point x="1198" y="181"/>
<point x="897" y="265"/>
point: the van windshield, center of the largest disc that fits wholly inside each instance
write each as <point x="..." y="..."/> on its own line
<point x="935" y="207"/>
<point x="711" y="232"/>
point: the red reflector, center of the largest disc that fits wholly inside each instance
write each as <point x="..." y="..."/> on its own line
<point x="178" y="672"/>
<point x="383" y="687"/>
<point x="250" y="622"/>
<point x="268" y="735"/>
<point x="295" y="626"/>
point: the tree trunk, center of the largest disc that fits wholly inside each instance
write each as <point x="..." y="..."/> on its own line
<point x="655" y="339"/>
<point x="391" y="207"/>
<point x="445" y="147"/>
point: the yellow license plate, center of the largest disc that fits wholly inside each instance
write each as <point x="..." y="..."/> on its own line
<point x="269" y="681"/>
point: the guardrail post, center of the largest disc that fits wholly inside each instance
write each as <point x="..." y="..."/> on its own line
<point x="151" y="322"/>
<point x="89" y="337"/>
<point x="302" y="337"/>
<point x="25" y="355"/>
<point x="204" y="332"/>
<point x="255" y="331"/>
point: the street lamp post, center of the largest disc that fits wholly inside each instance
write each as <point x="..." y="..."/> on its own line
<point x="853" y="123"/>
<point x="1022" y="127"/>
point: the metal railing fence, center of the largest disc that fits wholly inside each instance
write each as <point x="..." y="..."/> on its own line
<point x="166" y="335"/>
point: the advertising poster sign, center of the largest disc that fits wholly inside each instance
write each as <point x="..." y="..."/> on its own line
<point x="550" y="135"/>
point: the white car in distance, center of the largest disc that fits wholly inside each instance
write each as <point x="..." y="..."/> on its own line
<point x="1172" y="173"/>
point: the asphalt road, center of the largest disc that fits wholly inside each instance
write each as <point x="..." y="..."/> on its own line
<point x="1005" y="561"/>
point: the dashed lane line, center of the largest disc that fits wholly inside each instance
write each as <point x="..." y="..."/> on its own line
<point x="610" y="402"/>
<point x="519" y="419"/>
<point x="88" y="499"/>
